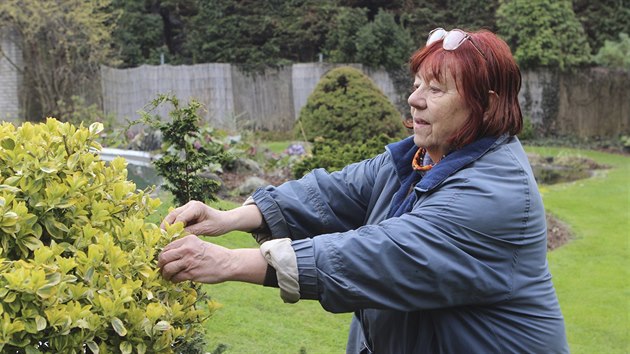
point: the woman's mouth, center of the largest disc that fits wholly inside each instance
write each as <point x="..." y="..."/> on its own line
<point x="419" y="121"/>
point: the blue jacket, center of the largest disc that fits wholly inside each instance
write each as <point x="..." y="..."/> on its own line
<point x="462" y="269"/>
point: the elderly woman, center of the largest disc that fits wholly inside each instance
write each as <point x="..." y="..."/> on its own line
<point x="438" y="245"/>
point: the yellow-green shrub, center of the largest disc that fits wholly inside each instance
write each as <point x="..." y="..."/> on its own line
<point x="77" y="259"/>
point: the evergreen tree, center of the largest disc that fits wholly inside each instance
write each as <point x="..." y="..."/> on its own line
<point x="603" y="20"/>
<point x="138" y="33"/>
<point x="615" y="54"/>
<point x="384" y="43"/>
<point x="543" y="33"/>
<point x="341" y="42"/>
<point x="462" y="14"/>
<point x="240" y="32"/>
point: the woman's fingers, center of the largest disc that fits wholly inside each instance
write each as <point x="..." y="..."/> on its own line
<point x="175" y="271"/>
<point x="170" y="218"/>
<point x="186" y="259"/>
<point x="192" y="211"/>
<point x="175" y="250"/>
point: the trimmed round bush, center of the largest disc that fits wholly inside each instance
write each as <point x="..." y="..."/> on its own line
<point x="347" y="106"/>
<point x="334" y="155"/>
<point x="78" y="260"/>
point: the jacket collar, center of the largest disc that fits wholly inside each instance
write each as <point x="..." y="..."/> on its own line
<point x="402" y="153"/>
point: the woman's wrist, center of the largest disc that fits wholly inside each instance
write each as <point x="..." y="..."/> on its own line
<point x="248" y="265"/>
<point x="245" y="218"/>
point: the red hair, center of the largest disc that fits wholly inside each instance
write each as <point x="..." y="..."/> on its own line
<point x="475" y="77"/>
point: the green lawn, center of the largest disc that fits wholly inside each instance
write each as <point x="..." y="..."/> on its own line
<point x="254" y="319"/>
<point x="591" y="274"/>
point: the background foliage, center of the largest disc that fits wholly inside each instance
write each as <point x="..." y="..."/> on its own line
<point x="62" y="43"/>
<point x="543" y="33"/>
<point x="65" y="41"/>
<point x="334" y="155"/>
<point x="347" y="106"/>
<point x="346" y="112"/>
<point x="615" y="54"/>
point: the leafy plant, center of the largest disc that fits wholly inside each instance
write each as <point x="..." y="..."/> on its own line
<point x="347" y="106"/>
<point x="77" y="260"/>
<point x="188" y="151"/>
<point x="615" y="54"/>
<point x="334" y="155"/>
<point x="543" y="33"/>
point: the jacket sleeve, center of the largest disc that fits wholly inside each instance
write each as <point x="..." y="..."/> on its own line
<point x="459" y="245"/>
<point x="320" y="203"/>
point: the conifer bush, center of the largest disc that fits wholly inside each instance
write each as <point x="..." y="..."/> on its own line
<point x="348" y="119"/>
<point x="348" y="107"/>
<point x="77" y="259"/>
<point x="335" y="155"/>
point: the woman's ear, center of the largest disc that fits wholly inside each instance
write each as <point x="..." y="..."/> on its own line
<point x="493" y="102"/>
<point x="408" y="123"/>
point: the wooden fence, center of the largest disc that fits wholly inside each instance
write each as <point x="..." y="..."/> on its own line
<point x="592" y="102"/>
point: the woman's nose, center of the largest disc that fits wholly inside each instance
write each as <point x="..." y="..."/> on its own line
<point x="416" y="100"/>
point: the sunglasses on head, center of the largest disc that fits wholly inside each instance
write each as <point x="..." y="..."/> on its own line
<point x="452" y="39"/>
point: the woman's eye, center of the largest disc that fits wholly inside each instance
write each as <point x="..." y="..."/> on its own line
<point x="435" y="89"/>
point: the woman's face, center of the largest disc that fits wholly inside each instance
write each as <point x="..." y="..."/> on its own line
<point x="438" y="112"/>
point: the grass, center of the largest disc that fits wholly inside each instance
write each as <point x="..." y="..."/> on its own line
<point x="591" y="275"/>
<point x="254" y="319"/>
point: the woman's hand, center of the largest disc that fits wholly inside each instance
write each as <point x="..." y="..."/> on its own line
<point x="200" y="219"/>
<point x="190" y="258"/>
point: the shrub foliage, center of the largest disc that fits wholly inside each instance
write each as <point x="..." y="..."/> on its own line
<point x="77" y="260"/>
<point x="188" y="151"/>
<point x="334" y="155"/>
<point x="347" y="106"/>
<point x="543" y="33"/>
<point x="349" y="119"/>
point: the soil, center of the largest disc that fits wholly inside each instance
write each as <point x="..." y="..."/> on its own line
<point x="558" y="233"/>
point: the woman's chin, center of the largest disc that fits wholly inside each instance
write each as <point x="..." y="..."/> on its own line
<point x="419" y="141"/>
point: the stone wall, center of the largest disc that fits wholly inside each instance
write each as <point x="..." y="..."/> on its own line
<point x="10" y="78"/>
<point x="586" y="103"/>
